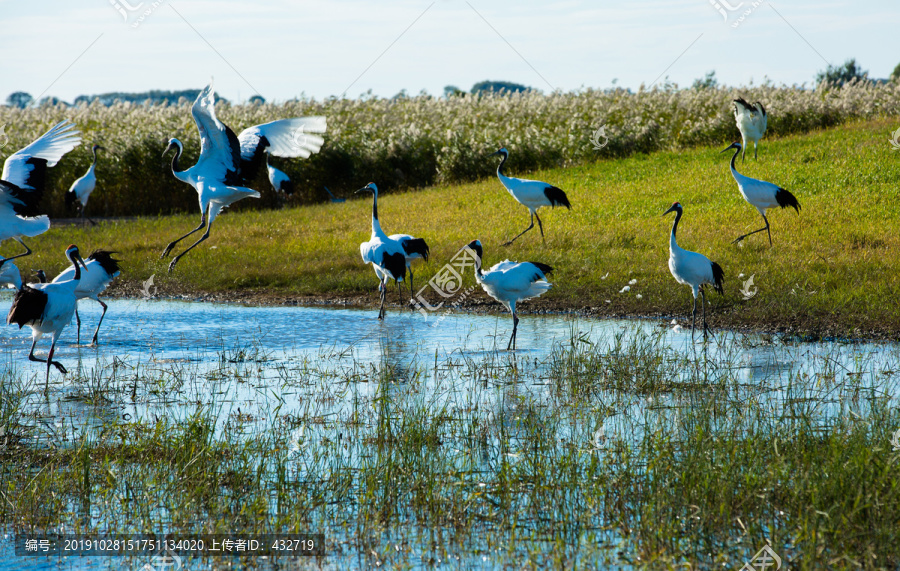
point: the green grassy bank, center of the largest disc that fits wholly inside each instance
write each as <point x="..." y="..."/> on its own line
<point x="833" y="268"/>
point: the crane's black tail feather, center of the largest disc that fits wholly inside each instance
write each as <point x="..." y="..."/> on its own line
<point x="718" y="278"/>
<point x="544" y="268"/>
<point x="416" y="246"/>
<point x="785" y="199"/>
<point x="557" y="197"/>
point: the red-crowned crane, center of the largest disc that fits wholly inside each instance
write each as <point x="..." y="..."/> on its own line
<point x="387" y="256"/>
<point x="81" y="189"/>
<point x="751" y="122"/>
<point x="761" y="194"/>
<point x="47" y="309"/>
<point x="511" y="282"/>
<point x="693" y="269"/>
<point x="530" y="193"/>
<point x="100" y="270"/>
<point x="23" y="181"/>
<point x="228" y="163"/>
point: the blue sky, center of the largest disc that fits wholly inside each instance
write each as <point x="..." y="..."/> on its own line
<point x="282" y="48"/>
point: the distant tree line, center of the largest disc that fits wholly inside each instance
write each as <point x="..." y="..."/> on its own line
<point x="833" y="74"/>
<point x="22" y="99"/>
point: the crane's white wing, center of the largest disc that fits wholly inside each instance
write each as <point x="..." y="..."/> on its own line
<point x="26" y="168"/>
<point x="219" y="148"/>
<point x="294" y="137"/>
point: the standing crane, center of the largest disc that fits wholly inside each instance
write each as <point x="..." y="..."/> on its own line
<point x="761" y="194"/>
<point x="751" y="122"/>
<point x="100" y="270"/>
<point x="82" y="188"/>
<point x="693" y="269"/>
<point x="47" y="309"/>
<point x="511" y="282"/>
<point x="530" y="193"/>
<point x="387" y="256"/>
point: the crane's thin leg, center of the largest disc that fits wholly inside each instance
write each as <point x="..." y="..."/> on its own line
<point x="755" y="155"/>
<point x="766" y="228"/>
<point x="412" y="288"/>
<point x="197" y="229"/>
<point x="26" y="253"/>
<point x="191" y="247"/>
<point x="383" y="289"/>
<point x="523" y="231"/>
<point x="102" y="315"/>
<point x="49" y="360"/>
<point x="78" y="323"/>
<point x="703" y="301"/>
<point x="540" y="226"/>
<point x="83" y="217"/>
<point x="512" y="339"/>
<point x="694" y="318"/>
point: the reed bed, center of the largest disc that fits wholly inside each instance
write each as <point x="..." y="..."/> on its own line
<point x="412" y="142"/>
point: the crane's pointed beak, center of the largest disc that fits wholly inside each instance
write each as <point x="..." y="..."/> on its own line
<point x="495" y="153"/>
<point x="83" y="265"/>
<point x="673" y="208"/>
<point x="729" y="147"/>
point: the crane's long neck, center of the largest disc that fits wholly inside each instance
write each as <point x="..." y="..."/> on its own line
<point x="180" y="175"/>
<point x="502" y="162"/>
<point x="500" y="174"/>
<point x="77" y="276"/>
<point x="94" y="162"/>
<point x="376" y="227"/>
<point x="673" y="245"/>
<point x="734" y="171"/>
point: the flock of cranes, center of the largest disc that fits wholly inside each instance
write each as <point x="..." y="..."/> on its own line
<point x="229" y="162"/>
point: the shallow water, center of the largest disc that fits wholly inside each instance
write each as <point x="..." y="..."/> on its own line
<point x="253" y="364"/>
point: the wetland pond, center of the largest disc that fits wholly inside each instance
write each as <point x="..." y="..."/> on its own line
<point x="419" y="442"/>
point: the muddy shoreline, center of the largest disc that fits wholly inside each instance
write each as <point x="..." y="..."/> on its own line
<point x="810" y="328"/>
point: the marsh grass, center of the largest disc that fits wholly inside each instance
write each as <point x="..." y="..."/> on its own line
<point x="634" y="454"/>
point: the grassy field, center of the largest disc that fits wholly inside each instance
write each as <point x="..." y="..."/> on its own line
<point x="833" y="268"/>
